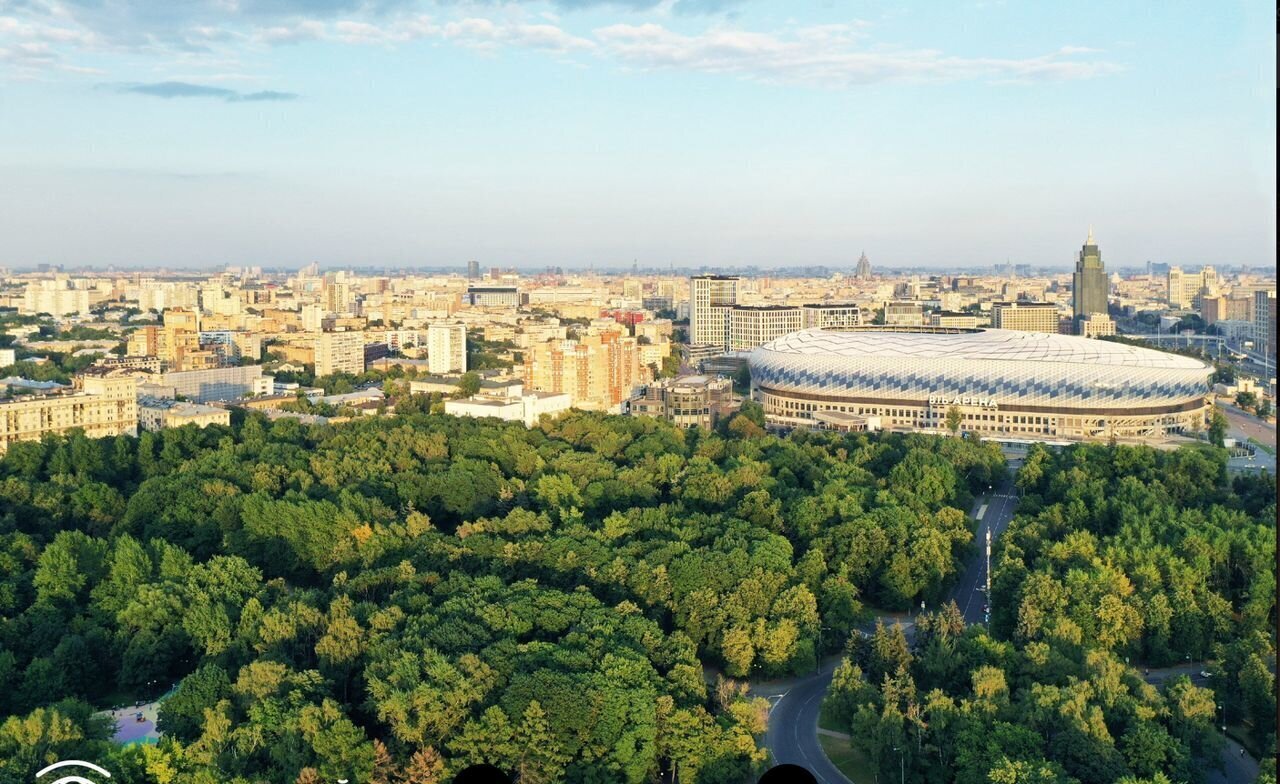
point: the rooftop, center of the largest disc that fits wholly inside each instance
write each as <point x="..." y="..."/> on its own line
<point x="976" y="344"/>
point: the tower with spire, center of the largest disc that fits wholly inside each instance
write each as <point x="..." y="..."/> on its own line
<point x="1089" y="282"/>
<point x="863" y="270"/>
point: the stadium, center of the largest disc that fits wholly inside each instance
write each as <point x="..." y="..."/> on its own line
<point x="1004" y="384"/>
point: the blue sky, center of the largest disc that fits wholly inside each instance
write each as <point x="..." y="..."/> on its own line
<point x="716" y="132"/>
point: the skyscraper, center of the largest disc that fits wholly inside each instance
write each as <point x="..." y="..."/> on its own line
<point x="1089" y="283"/>
<point x="473" y="270"/>
<point x="863" y="270"/>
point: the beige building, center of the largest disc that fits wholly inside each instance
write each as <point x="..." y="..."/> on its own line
<point x="446" y="348"/>
<point x="339" y="352"/>
<point x="1026" y="316"/>
<point x="755" y="325"/>
<point x="903" y="314"/>
<point x="1097" y="325"/>
<point x="1186" y="288"/>
<point x="831" y="316"/>
<point x="688" y="401"/>
<point x="101" y="406"/>
<point x="160" y="413"/>
<point x="55" y="297"/>
<point x="954" y="320"/>
<point x="598" y="371"/>
<point x="710" y="299"/>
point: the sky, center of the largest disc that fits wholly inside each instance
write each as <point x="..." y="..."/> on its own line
<point x="686" y="132"/>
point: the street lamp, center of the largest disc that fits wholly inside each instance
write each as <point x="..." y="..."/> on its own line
<point x="902" y="764"/>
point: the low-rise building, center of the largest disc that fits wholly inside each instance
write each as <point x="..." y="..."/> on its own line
<point x="509" y="402"/>
<point x="688" y="401"/>
<point x="1096" y="325"/>
<point x="160" y="413"/>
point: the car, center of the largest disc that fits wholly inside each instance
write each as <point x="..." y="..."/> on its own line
<point x="1205" y="674"/>
<point x="139" y="717"/>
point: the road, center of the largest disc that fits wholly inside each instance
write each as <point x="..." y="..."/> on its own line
<point x="1242" y="427"/>
<point x="793" y="720"/>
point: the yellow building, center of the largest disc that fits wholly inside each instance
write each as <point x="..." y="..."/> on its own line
<point x="101" y="406"/>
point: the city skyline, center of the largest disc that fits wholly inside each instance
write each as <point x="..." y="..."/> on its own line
<point x="700" y="135"/>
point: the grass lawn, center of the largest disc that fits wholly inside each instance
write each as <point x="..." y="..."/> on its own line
<point x="851" y="763"/>
<point x="1262" y="446"/>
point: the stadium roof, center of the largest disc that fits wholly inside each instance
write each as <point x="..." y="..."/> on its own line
<point x="980" y="344"/>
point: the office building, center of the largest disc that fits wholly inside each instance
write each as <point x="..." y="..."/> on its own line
<point x="688" y="401"/>
<point x="100" y="406"/>
<point x="1006" y="384"/>
<point x="205" y="386"/>
<point x="755" y="325"/>
<point x="473" y="270"/>
<point x="1186" y="288"/>
<point x="710" y="299"/>
<point x="446" y="348"/>
<point x="339" y="352"/>
<point x="903" y="314"/>
<point x="493" y="296"/>
<point x="1096" y="325"/>
<point x="1089" y="282"/>
<point x="831" y="315"/>
<point x="1025" y="316"/>
<point x="953" y="320"/>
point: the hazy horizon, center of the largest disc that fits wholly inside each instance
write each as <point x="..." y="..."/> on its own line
<point x="714" y="133"/>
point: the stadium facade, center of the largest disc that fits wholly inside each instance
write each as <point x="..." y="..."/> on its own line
<point x="1005" y="383"/>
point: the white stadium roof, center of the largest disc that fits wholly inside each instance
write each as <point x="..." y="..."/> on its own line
<point x="980" y="344"/>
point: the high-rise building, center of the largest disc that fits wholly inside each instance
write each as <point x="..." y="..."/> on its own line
<point x="863" y="270"/>
<point x="710" y="299"/>
<point x="1025" y="316"/>
<point x="339" y="352"/>
<point x="755" y="325"/>
<point x="598" y="370"/>
<point x="1264" y="323"/>
<point x="1089" y="282"/>
<point x="179" y="339"/>
<point x="1186" y="288"/>
<point x="56" y="297"/>
<point x="473" y="270"/>
<point x="446" y="348"/>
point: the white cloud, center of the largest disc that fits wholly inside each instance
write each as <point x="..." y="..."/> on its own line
<point x="827" y="56"/>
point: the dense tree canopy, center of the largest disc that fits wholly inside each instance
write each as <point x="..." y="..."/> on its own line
<point x="1120" y="558"/>
<point x="421" y="592"/>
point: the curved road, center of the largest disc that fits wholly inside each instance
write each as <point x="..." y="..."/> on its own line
<point x="792" y="736"/>
<point x="793" y="720"/>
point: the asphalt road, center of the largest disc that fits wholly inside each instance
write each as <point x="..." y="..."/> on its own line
<point x="792" y="736"/>
<point x="793" y="720"/>
<point x="1243" y="426"/>
<point x="993" y="513"/>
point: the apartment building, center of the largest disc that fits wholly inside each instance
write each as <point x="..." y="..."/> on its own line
<point x="339" y="352"/>
<point x="101" y="406"/>
<point x="598" y="370"/>
<point x="446" y="349"/>
<point x="710" y="299"/>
